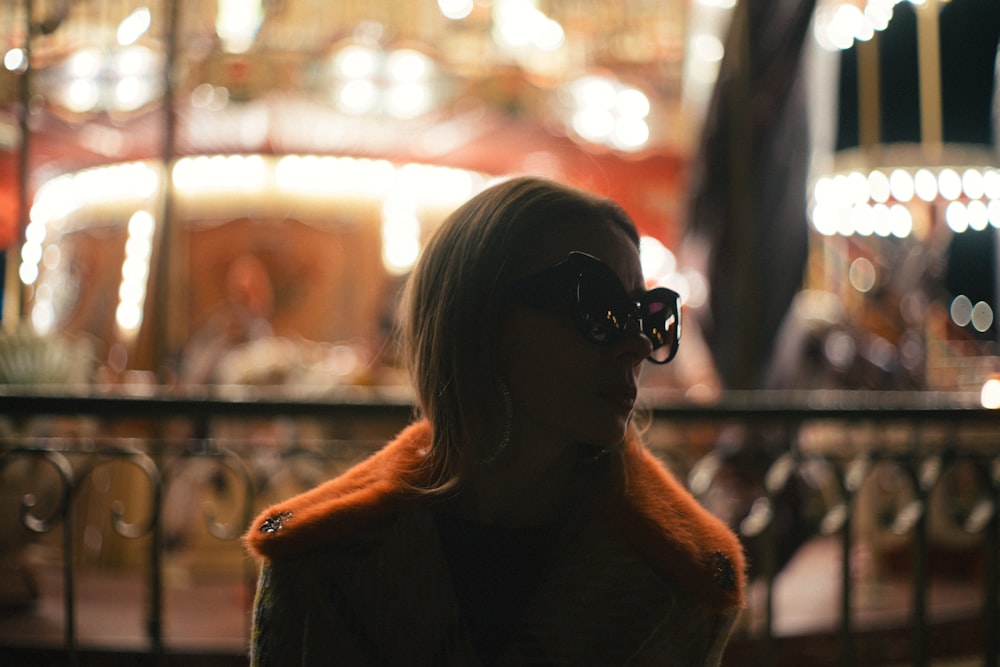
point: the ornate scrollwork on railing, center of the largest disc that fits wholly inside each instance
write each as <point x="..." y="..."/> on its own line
<point x="71" y="479"/>
<point x="964" y="493"/>
<point x="980" y="513"/>
<point x="953" y="493"/>
<point x="29" y="501"/>
<point x="234" y="466"/>
<point x="206" y="468"/>
<point x="880" y="495"/>
<point x="895" y="495"/>
<point x="146" y="465"/>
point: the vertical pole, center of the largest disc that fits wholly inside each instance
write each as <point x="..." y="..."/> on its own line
<point x="157" y="335"/>
<point x="69" y="581"/>
<point x="768" y="540"/>
<point x="166" y="321"/>
<point x="996" y="270"/>
<point x="846" y="544"/>
<point x="12" y="289"/>
<point x="991" y="545"/>
<point x="929" y="69"/>
<point x="869" y="97"/>
<point x="156" y="601"/>
<point x="920" y="624"/>
<point x="164" y="326"/>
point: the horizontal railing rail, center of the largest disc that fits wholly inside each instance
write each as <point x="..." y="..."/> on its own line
<point x="871" y="473"/>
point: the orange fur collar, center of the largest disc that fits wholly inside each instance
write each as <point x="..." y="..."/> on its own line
<point x="656" y="514"/>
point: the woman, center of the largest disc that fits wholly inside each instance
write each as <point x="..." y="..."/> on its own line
<point x="521" y="521"/>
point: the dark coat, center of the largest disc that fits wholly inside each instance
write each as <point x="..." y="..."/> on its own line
<point x="355" y="572"/>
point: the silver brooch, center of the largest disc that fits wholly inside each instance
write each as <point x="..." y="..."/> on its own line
<point x="725" y="574"/>
<point x="273" y="524"/>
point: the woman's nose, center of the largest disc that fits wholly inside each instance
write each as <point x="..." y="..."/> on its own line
<point x="635" y="344"/>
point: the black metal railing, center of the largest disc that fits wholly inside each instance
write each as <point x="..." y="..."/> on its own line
<point x="909" y="482"/>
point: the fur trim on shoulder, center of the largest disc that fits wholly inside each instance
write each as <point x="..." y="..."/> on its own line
<point x="665" y="523"/>
<point x="678" y="536"/>
<point x="363" y="495"/>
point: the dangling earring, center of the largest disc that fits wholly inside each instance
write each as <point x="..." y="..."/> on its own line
<point x="508" y="418"/>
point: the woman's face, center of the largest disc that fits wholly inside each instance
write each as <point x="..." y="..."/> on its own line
<point x="566" y="389"/>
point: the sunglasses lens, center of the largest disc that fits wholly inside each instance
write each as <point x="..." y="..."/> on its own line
<point x="599" y="309"/>
<point x="660" y="323"/>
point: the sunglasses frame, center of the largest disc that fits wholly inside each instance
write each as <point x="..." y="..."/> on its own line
<point x="562" y="282"/>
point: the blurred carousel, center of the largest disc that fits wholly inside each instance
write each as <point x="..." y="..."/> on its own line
<point x="232" y="194"/>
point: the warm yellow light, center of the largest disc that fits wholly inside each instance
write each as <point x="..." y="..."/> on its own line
<point x="657" y="260"/>
<point x="135" y="272"/>
<point x="632" y="103"/>
<point x="456" y="9"/>
<point x="526" y="33"/>
<point x="14" y="60"/>
<point x="708" y="48"/>
<point x="949" y="184"/>
<point x="878" y="185"/>
<point x="593" y="124"/>
<point x="862" y="274"/>
<point x="979" y="216"/>
<point x="989" y="396"/>
<point x="237" y="22"/>
<point x="901" y="185"/>
<point x="630" y="133"/>
<point x="134" y="26"/>
<point x="408" y="65"/>
<point x="840" y="23"/>
<point x="356" y="62"/>
<point x="310" y="186"/>
<point x="853" y="202"/>
<point x="603" y="110"/>
<point x="957" y="217"/>
<point x="925" y="184"/>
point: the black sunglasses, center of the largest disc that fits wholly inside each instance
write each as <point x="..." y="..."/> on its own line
<point x="590" y="292"/>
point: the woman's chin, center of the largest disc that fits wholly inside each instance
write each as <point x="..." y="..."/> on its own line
<point x="610" y="437"/>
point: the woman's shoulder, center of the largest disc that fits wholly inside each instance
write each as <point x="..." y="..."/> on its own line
<point x="681" y="539"/>
<point x="370" y="493"/>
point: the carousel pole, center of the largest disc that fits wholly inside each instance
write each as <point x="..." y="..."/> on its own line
<point x="12" y="289"/>
<point x="929" y="68"/>
<point x="159" y="334"/>
<point x="869" y="100"/>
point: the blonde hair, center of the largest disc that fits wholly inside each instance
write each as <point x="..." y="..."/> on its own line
<point x="455" y="300"/>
